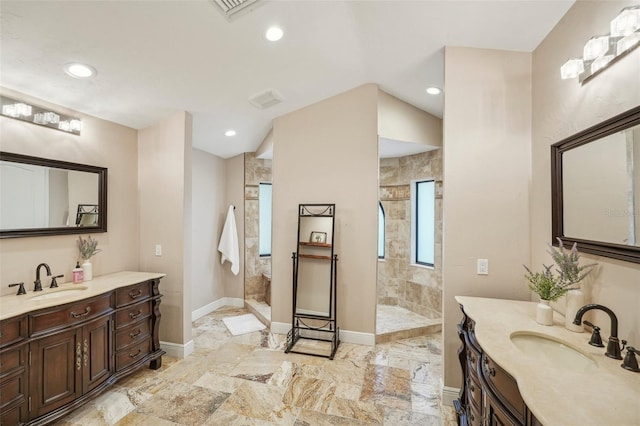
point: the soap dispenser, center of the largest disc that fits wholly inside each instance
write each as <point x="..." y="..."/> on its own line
<point x="77" y="273"/>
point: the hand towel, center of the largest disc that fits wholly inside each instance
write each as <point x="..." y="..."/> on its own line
<point x="229" y="243"/>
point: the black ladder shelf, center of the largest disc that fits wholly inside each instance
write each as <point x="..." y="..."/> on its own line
<point x="314" y="316"/>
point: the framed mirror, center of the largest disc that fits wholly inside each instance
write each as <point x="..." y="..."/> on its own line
<point x="40" y="197"/>
<point x="595" y="188"/>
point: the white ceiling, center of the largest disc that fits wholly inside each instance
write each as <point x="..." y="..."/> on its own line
<point x="155" y="58"/>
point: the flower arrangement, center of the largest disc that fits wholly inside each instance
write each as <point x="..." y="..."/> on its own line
<point x="88" y="247"/>
<point x="551" y="287"/>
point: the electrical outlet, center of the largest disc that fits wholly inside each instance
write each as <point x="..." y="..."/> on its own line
<point x="483" y="267"/>
<point x="158" y="249"/>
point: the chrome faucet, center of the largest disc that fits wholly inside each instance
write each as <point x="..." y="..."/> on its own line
<point x="38" y="284"/>
<point x="613" y="347"/>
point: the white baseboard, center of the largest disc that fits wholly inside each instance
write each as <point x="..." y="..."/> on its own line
<point x="449" y="394"/>
<point x="215" y="305"/>
<point x="177" y="350"/>
<point x="346" y="336"/>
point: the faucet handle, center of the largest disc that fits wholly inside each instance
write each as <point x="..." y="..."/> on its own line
<point x="20" y="289"/>
<point x="596" y="339"/>
<point x="630" y="362"/>
<point x="54" y="283"/>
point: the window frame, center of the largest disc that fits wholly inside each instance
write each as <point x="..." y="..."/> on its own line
<point x="415" y="246"/>
<point x="260" y="254"/>
<point x="384" y="231"/>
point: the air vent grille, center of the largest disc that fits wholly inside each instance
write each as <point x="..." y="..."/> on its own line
<point x="266" y="98"/>
<point x="229" y="8"/>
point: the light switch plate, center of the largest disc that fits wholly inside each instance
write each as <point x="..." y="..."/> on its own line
<point x="158" y="249"/>
<point x="483" y="267"/>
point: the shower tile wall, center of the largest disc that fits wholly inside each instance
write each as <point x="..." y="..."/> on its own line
<point x="256" y="171"/>
<point x="415" y="288"/>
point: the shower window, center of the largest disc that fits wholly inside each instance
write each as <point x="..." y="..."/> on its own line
<point x="381" y="227"/>
<point x="423" y="223"/>
<point x="264" y="223"/>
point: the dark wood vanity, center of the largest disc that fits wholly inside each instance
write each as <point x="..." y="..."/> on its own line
<point x="53" y="360"/>
<point x="489" y="395"/>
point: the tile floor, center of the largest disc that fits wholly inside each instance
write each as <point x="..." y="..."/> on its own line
<point x="249" y="380"/>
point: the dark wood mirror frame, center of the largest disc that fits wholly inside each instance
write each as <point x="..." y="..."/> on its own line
<point x="63" y="230"/>
<point x="613" y="125"/>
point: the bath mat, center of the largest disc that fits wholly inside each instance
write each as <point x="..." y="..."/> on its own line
<point x="243" y="324"/>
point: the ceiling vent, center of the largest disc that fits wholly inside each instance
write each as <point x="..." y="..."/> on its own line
<point x="231" y="8"/>
<point x="266" y="98"/>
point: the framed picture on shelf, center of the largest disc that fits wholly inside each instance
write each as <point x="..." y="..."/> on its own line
<point x="318" y="237"/>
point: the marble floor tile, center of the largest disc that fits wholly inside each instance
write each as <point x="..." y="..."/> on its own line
<point x="184" y="404"/>
<point x="249" y="380"/>
<point x="387" y="386"/>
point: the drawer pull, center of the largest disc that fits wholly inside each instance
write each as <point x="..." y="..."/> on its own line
<point x="134" y="295"/>
<point x="134" y="335"/>
<point x="78" y="356"/>
<point x="134" y="316"/>
<point x="488" y="371"/>
<point x="136" y="354"/>
<point x="84" y="314"/>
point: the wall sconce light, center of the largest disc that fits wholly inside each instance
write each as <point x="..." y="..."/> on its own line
<point x="602" y="51"/>
<point x="22" y="111"/>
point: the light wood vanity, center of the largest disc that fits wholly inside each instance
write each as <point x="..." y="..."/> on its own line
<point x="57" y="353"/>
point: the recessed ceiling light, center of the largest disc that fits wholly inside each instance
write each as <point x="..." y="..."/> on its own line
<point x="274" y="34"/>
<point x="434" y="90"/>
<point x="80" y="70"/>
<point x="230" y="133"/>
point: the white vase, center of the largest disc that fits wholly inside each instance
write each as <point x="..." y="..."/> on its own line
<point x="574" y="301"/>
<point x="544" y="313"/>
<point x="87" y="268"/>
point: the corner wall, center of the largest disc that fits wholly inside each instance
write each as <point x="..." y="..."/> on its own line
<point x="103" y="144"/>
<point x="328" y="153"/>
<point x="234" y="195"/>
<point x="164" y="184"/>
<point x="487" y="163"/>
<point x="209" y="212"/>
<point x="564" y="107"/>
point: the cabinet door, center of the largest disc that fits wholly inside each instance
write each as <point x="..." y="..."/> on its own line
<point x="96" y="362"/>
<point x="56" y="368"/>
<point x="496" y="415"/>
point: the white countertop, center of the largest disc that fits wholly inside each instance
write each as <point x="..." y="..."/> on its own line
<point x="13" y="305"/>
<point x="607" y="395"/>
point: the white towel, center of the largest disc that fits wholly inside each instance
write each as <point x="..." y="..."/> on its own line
<point x="229" y="243"/>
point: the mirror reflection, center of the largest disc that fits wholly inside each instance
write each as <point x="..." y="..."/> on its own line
<point x="601" y="189"/>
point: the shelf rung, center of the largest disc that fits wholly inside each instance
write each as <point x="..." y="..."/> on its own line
<point x="314" y="256"/>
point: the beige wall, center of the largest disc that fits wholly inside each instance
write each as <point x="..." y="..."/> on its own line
<point x="164" y="179"/>
<point x="401" y="121"/>
<point x="209" y="212"/>
<point x="328" y="153"/>
<point x="564" y="107"/>
<point x="234" y="194"/>
<point x="102" y="144"/>
<point x="487" y="139"/>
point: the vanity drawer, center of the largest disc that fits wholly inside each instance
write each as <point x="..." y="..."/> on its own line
<point x="133" y="334"/>
<point x="474" y="416"/>
<point x="129" y="356"/>
<point x="133" y="313"/>
<point x="134" y="293"/>
<point x="505" y="387"/>
<point x="12" y="391"/>
<point x="67" y="315"/>
<point x="474" y="392"/>
<point x="12" y="360"/>
<point x="13" y="330"/>
<point x="473" y="360"/>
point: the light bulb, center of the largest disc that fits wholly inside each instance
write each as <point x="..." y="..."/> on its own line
<point x="627" y="22"/>
<point x="274" y="34"/>
<point x="572" y="68"/>
<point x="596" y="47"/>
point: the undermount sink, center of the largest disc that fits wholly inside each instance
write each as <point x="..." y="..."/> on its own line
<point x="60" y="293"/>
<point x="559" y="354"/>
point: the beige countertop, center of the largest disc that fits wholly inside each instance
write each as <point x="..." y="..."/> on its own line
<point x="13" y="305"/>
<point x="604" y="395"/>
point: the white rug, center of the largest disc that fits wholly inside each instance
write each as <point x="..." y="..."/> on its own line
<point x="243" y="324"/>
